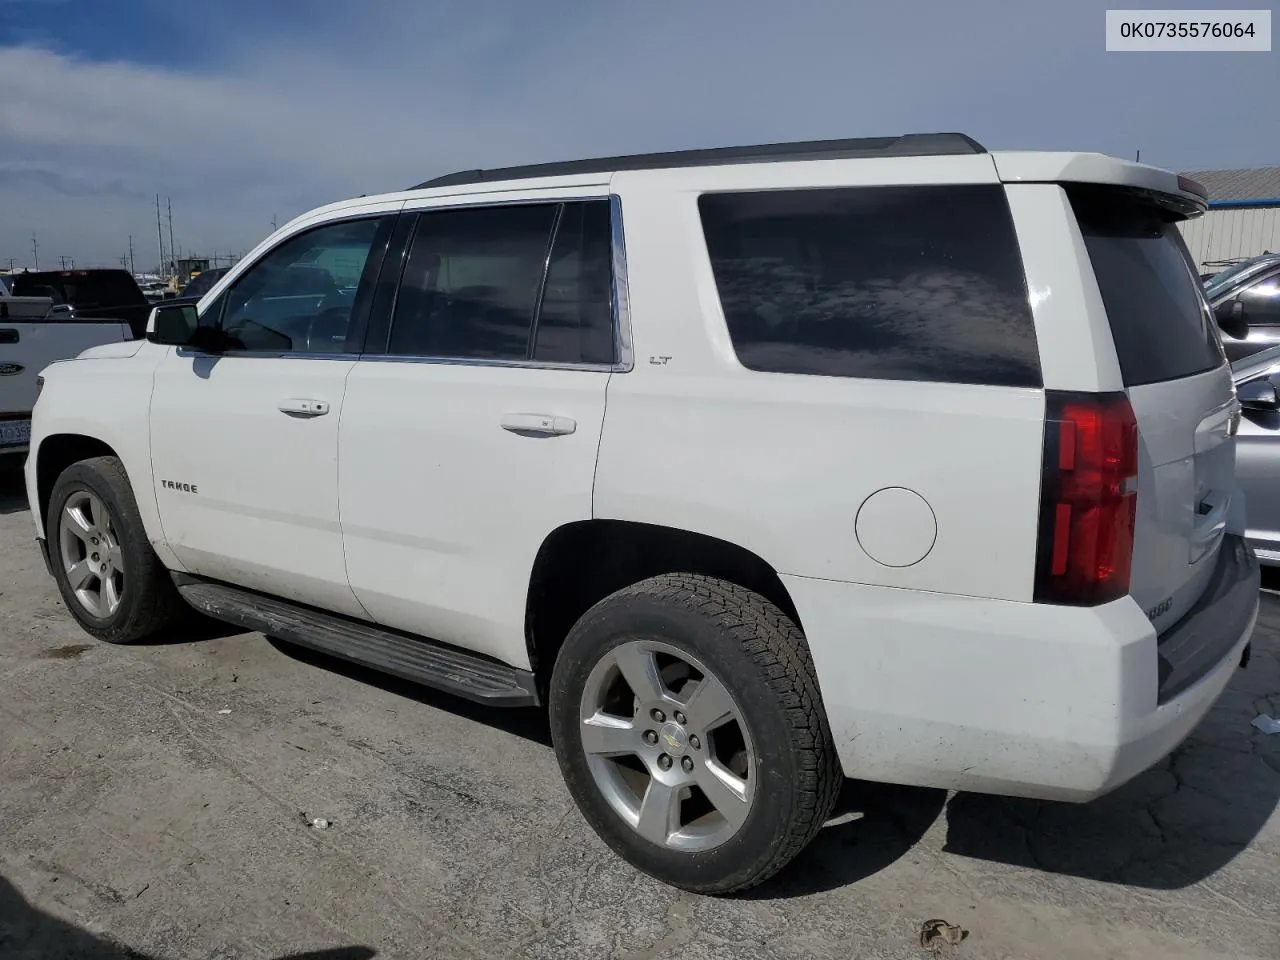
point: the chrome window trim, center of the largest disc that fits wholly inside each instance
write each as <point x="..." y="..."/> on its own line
<point x="624" y="359"/>
<point x="402" y="358"/>
<point x="620" y="306"/>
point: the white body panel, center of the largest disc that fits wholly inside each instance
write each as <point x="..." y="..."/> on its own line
<point x="265" y="512"/>
<point x="781" y="464"/>
<point x="443" y="510"/>
<point x="104" y="394"/>
<point x="974" y="694"/>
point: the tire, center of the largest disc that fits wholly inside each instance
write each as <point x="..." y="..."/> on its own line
<point x="777" y="744"/>
<point x="146" y="601"/>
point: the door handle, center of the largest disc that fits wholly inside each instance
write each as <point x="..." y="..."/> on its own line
<point x="538" y="423"/>
<point x="298" y="407"/>
<point x="8" y="336"/>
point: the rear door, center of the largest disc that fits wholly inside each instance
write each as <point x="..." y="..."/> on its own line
<point x="470" y="431"/>
<point x="1179" y="385"/>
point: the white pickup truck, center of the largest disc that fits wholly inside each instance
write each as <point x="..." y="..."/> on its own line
<point x="34" y="332"/>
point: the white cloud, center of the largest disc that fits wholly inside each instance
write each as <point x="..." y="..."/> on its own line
<point x="378" y="96"/>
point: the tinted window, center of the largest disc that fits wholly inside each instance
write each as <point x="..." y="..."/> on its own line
<point x="86" y="289"/>
<point x="301" y="296"/>
<point x="1155" y="303"/>
<point x="470" y="286"/>
<point x="1261" y="301"/>
<point x="894" y="283"/>
<point x="575" y="323"/>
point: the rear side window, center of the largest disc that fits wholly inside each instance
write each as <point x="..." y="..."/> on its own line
<point x="1155" y="303"/>
<point x="518" y="282"/>
<point x="890" y="283"/>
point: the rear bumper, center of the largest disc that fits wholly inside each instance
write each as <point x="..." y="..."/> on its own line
<point x="1013" y="698"/>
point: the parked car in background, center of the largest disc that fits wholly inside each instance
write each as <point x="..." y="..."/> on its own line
<point x="35" y="332"/>
<point x="1257" y="379"/>
<point x="1246" y="302"/>
<point x="95" y="294"/>
<point x="35" y="307"/>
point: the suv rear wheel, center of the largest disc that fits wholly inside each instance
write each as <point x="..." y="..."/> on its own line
<point x="109" y="577"/>
<point x="689" y="728"/>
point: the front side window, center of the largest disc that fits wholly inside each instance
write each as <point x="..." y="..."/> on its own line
<point x="508" y="283"/>
<point x="300" y="297"/>
<point x="890" y="283"/>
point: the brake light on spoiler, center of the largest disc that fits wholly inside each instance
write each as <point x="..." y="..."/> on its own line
<point x="1088" y="498"/>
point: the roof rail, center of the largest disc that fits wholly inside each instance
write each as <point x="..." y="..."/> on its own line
<point x="907" y="145"/>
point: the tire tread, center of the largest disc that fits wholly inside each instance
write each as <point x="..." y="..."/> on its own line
<point x="778" y="648"/>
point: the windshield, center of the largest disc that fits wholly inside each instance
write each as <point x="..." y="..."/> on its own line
<point x="1220" y="281"/>
<point x="1256" y="364"/>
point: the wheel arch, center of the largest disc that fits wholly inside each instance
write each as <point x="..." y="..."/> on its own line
<point x="57" y="452"/>
<point x="581" y="563"/>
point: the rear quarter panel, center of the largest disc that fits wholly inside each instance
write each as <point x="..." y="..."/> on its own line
<point x="781" y="464"/>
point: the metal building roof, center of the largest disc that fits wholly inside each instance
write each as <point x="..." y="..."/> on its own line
<point x="1256" y="184"/>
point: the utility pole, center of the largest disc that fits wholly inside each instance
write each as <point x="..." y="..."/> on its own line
<point x="173" y="251"/>
<point x="131" y="270"/>
<point x="35" y="251"/>
<point x="1137" y="157"/>
<point x="11" y="264"/>
<point x="62" y="261"/>
<point x="159" y="236"/>
<point x="274" y="226"/>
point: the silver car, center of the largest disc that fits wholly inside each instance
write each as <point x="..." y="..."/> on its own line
<point x="1257" y="379"/>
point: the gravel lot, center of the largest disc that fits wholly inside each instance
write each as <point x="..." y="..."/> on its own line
<point x="156" y="802"/>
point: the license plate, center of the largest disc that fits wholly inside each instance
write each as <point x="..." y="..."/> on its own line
<point x="14" y="433"/>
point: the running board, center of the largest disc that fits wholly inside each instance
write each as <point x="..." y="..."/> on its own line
<point x="423" y="661"/>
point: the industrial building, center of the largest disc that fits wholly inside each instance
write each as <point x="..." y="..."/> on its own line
<point x="1243" y="219"/>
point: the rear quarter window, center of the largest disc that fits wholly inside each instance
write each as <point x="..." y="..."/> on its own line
<point x="920" y="283"/>
<point x="1156" y="307"/>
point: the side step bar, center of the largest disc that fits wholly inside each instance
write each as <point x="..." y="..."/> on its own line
<point x="423" y="661"/>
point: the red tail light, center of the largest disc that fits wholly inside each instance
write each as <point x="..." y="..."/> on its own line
<point x="1088" y="498"/>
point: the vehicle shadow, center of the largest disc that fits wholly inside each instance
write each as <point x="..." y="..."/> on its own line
<point x="1170" y="827"/>
<point x="873" y="825"/>
<point x="28" y="933"/>
<point x="528" y="723"/>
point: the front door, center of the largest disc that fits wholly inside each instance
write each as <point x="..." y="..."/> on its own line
<point x="244" y="431"/>
<point x="473" y="435"/>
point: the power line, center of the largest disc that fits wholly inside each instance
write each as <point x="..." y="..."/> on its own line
<point x="159" y="235"/>
<point x="173" y="251"/>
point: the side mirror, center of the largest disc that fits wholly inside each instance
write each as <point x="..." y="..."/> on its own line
<point x="1231" y="319"/>
<point x="1258" y="395"/>
<point x="172" y="325"/>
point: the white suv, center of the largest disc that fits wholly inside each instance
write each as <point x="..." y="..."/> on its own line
<point x="764" y="467"/>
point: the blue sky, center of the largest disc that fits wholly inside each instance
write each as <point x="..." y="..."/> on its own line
<point x="244" y="111"/>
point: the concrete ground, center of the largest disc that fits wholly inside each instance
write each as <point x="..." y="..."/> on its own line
<point x="157" y="802"/>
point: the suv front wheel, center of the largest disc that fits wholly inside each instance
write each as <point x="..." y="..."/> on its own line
<point x="689" y="728"/>
<point x="109" y="577"/>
